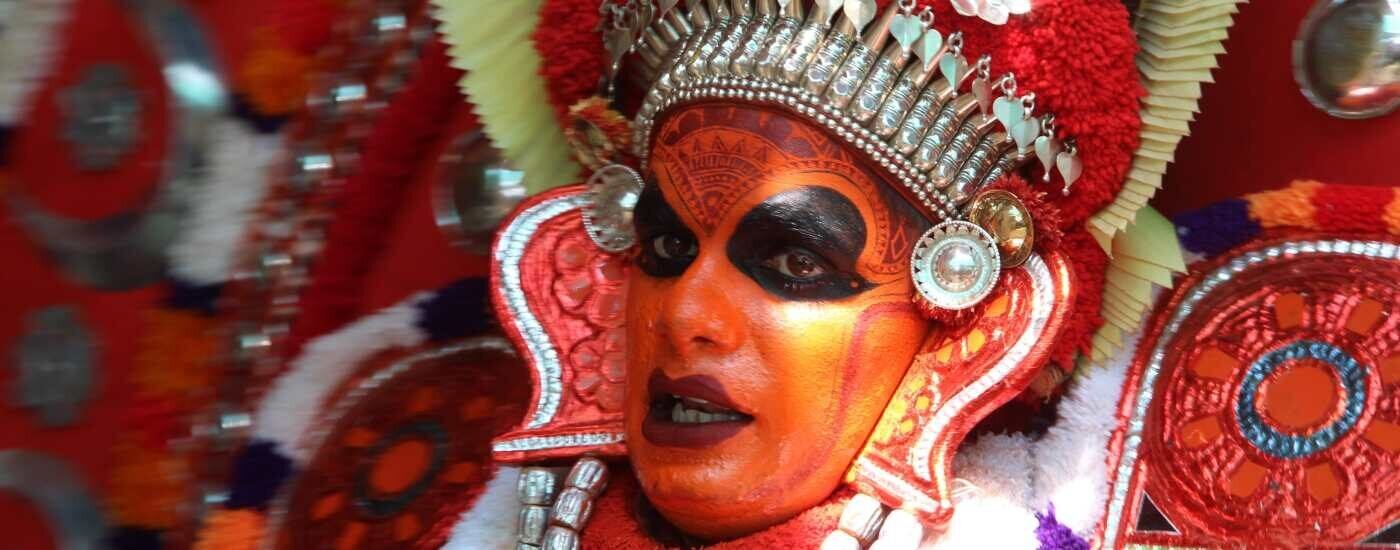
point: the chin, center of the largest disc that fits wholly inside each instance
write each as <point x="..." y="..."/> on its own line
<point x="717" y="494"/>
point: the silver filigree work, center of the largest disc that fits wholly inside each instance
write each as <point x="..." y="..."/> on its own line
<point x="955" y="265"/>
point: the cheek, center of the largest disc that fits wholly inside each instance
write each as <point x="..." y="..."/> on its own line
<point x="847" y="359"/>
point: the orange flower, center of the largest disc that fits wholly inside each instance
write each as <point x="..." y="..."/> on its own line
<point x="273" y="78"/>
<point x="147" y="487"/>
<point x="173" y="360"/>
<point x="231" y="530"/>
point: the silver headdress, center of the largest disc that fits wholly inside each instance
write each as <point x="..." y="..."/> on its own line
<point x="888" y="84"/>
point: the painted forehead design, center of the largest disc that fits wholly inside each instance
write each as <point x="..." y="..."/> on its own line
<point x="713" y="155"/>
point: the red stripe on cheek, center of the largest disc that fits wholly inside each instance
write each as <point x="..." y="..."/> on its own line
<point x="866" y="327"/>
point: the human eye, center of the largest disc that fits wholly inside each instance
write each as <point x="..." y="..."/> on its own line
<point x="798" y="264"/>
<point x="798" y="273"/>
<point x="667" y="254"/>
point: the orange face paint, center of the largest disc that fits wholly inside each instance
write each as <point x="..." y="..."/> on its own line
<point x="769" y="320"/>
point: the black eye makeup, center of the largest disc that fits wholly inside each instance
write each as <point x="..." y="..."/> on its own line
<point x="665" y="246"/>
<point x="802" y="244"/>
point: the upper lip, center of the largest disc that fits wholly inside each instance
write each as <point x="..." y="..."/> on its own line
<point x="697" y="386"/>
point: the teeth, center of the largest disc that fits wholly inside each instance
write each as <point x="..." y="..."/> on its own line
<point x="681" y="414"/>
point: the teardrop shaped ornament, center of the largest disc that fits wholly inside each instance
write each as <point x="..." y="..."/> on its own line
<point x="1046" y="149"/>
<point x="1070" y="167"/>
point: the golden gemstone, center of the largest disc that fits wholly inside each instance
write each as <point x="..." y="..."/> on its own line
<point x="1007" y="219"/>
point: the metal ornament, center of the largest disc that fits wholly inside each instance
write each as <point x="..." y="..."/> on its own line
<point x="1027" y="128"/>
<point x="1008" y="111"/>
<point x="101" y="116"/>
<point x="476" y="190"/>
<point x="54" y="361"/>
<point x="953" y="68"/>
<point x="1047" y="147"/>
<point x="1069" y="165"/>
<point x="1003" y="215"/>
<point x="982" y="86"/>
<point x="612" y="194"/>
<point x="860" y="12"/>
<point x="928" y="47"/>
<point x="907" y="28"/>
<point x="955" y="265"/>
<point x="1346" y="58"/>
<point x="828" y="8"/>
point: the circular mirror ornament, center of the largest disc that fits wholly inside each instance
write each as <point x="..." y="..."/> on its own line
<point x="607" y="215"/>
<point x="1346" y="59"/>
<point x="955" y="265"/>
<point x="476" y="189"/>
<point x="1008" y="220"/>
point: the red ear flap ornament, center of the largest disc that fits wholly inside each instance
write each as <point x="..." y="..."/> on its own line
<point x="957" y="382"/>
<point x="560" y="299"/>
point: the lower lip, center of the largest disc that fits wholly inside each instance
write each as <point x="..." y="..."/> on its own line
<point x="663" y="432"/>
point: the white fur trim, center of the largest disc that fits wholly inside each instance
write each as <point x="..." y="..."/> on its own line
<point x="296" y="397"/>
<point x="204" y="252"/>
<point x="1071" y="459"/>
<point x="490" y="523"/>
<point x="29" y="40"/>
<point x="992" y="493"/>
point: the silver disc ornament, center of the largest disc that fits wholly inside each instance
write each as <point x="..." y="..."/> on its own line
<point x="955" y="265"/>
<point x="612" y="194"/>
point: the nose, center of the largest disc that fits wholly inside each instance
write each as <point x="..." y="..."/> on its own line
<point x="698" y="315"/>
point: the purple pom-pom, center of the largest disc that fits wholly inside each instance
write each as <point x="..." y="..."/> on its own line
<point x="1054" y="536"/>
<point x="258" y="472"/>
<point x="1216" y="228"/>
<point x="457" y="310"/>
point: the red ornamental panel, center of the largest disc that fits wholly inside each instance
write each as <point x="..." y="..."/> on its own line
<point x="1276" y="413"/>
<point x="561" y="299"/>
<point x="404" y="451"/>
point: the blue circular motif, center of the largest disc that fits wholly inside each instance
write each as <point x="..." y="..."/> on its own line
<point x="1264" y="437"/>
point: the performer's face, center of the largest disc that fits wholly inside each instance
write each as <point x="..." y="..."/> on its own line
<point x="769" y="317"/>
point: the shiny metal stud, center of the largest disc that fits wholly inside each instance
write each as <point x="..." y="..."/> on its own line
<point x="1006" y="218"/>
<point x="607" y="216"/>
<point x="955" y="265"/>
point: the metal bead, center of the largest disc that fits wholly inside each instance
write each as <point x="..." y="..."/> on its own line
<point x="573" y="508"/>
<point x="537" y="486"/>
<point x="862" y="517"/>
<point x="589" y="474"/>
<point x="900" y="531"/>
<point x="534" y="520"/>
<point x="560" y="538"/>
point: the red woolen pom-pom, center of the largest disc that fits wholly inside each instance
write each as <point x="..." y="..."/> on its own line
<point x="571" y="50"/>
<point x="1090" y="266"/>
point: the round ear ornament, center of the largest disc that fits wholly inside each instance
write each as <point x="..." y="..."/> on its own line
<point x="1002" y="214"/>
<point x="612" y="194"/>
<point x="955" y="265"/>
